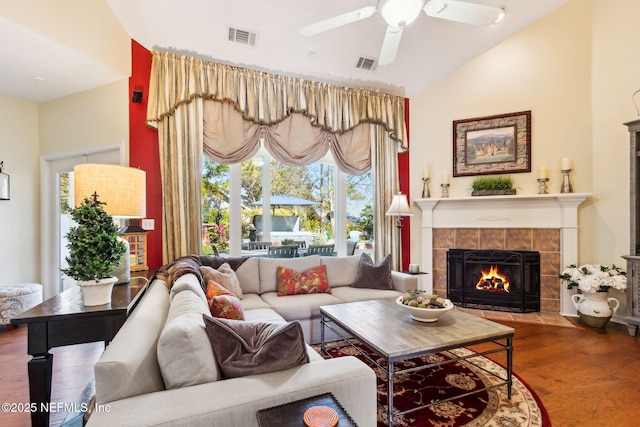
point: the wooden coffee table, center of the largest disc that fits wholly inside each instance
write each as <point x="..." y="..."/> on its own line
<point x="390" y="333"/>
<point x="65" y="320"/>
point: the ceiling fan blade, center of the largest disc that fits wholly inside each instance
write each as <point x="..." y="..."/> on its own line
<point x="338" y="21"/>
<point x="467" y="13"/>
<point x="390" y="45"/>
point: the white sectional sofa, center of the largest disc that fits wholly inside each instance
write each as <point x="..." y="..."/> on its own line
<point x="160" y="369"/>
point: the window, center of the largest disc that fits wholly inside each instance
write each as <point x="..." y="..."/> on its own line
<point x="314" y="204"/>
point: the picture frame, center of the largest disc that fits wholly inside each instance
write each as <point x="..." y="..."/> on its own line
<point x="490" y="145"/>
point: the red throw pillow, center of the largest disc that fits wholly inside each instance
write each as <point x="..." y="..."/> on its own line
<point x="223" y="303"/>
<point x="311" y="281"/>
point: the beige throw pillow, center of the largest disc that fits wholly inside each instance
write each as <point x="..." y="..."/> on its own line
<point x="224" y="276"/>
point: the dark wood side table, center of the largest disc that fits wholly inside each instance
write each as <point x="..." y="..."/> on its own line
<point x="291" y="414"/>
<point x="65" y="320"/>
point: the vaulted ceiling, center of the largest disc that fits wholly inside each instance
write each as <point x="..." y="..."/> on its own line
<point x="430" y="48"/>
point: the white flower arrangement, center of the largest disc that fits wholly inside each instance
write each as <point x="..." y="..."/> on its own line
<point x="590" y="278"/>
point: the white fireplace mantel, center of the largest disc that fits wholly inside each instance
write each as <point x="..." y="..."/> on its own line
<point x="517" y="211"/>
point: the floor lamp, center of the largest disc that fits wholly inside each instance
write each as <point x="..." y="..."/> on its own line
<point x="399" y="208"/>
<point x="122" y="190"/>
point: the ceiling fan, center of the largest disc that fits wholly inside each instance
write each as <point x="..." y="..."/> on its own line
<point x="400" y="13"/>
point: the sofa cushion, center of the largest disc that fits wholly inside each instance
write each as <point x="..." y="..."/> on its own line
<point x="373" y="276"/>
<point x="268" y="268"/>
<point x="187" y="282"/>
<point x="248" y="276"/>
<point x="223" y="303"/>
<point x="297" y="307"/>
<point x="248" y="348"/>
<point x="341" y="271"/>
<point x="349" y="294"/>
<point x="184" y="352"/>
<point x="311" y="281"/>
<point x="253" y="302"/>
<point x="224" y="276"/>
<point x="129" y="365"/>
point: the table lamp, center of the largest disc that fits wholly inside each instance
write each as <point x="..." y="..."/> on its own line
<point x="122" y="190"/>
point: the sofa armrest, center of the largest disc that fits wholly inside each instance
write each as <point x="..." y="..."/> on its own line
<point x="234" y="402"/>
<point x="404" y="282"/>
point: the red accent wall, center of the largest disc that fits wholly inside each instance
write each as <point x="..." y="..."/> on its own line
<point x="403" y="172"/>
<point x="143" y="149"/>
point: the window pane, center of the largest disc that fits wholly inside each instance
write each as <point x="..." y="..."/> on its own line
<point x="360" y="213"/>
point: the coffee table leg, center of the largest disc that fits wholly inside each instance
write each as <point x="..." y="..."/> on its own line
<point x="390" y="374"/>
<point x="40" y="370"/>
<point x="509" y="366"/>
<point x="322" y="323"/>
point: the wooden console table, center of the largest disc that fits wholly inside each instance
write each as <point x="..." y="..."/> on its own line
<point x="65" y="320"/>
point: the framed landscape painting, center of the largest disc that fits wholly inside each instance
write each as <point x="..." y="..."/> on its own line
<point x="492" y="145"/>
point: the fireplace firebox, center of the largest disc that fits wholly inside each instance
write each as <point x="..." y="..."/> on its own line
<point x="494" y="279"/>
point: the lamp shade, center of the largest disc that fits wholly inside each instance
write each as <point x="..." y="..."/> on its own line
<point x="399" y="206"/>
<point x="122" y="189"/>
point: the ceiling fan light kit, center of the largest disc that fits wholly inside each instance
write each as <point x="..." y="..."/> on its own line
<point x="400" y="13"/>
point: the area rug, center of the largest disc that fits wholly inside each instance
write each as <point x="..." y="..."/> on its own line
<point x="486" y="408"/>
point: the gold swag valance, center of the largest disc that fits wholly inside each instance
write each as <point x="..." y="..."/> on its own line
<point x="265" y="98"/>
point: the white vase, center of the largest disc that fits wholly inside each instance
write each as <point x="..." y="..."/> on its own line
<point x="97" y="292"/>
<point x="595" y="308"/>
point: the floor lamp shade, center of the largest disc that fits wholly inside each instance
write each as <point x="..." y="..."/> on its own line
<point x="399" y="207"/>
<point x="122" y="189"/>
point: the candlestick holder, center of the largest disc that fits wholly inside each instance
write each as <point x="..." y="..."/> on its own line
<point x="542" y="186"/>
<point x="445" y="190"/>
<point x="566" y="182"/>
<point x="425" y="188"/>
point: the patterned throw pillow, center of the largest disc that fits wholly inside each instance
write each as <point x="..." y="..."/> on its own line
<point x="224" y="276"/>
<point x="311" y="281"/>
<point x="223" y="303"/>
<point x="373" y="276"/>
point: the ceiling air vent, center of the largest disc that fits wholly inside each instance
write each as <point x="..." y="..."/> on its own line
<point x="244" y="37"/>
<point x="366" y="64"/>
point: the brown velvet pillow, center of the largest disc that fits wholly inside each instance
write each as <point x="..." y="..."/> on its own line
<point x="248" y="348"/>
<point x="373" y="276"/>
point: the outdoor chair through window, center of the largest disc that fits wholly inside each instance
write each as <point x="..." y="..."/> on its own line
<point x="283" y="251"/>
<point x="252" y="246"/>
<point x="322" y="250"/>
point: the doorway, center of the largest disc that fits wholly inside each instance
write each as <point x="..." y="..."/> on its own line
<point x="57" y="193"/>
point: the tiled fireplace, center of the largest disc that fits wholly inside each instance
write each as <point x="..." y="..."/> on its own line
<point x="547" y="224"/>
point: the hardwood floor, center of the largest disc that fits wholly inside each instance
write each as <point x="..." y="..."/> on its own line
<point x="585" y="377"/>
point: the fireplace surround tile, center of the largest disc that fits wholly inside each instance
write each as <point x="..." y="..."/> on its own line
<point x="467" y="238"/>
<point x="546" y="240"/>
<point x="491" y="238"/>
<point x="518" y="239"/>
<point x="444" y="238"/>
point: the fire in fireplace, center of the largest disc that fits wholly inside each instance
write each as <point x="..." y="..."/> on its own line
<point x="494" y="279"/>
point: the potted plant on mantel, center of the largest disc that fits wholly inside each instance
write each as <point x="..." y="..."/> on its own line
<point x="94" y="251"/>
<point x="492" y="186"/>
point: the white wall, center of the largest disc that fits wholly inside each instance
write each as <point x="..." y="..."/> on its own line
<point x="20" y="216"/>
<point x="95" y="117"/>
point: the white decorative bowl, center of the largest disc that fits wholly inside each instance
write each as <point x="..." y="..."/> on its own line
<point x="425" y="314"/>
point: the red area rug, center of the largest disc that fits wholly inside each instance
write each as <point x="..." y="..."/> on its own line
<point x="486" y="408"/>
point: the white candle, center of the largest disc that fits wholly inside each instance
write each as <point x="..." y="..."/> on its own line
<point x="544" y="172"/>
<point x="425" y="173"/>
<point x="446" y="179"/>
<point x="566" y="163"/>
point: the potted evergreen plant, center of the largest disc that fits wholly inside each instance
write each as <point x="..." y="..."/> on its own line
<point x="94" y="251"/>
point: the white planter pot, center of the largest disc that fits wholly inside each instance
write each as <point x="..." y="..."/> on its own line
<point x="97" y="292"/>
<point x="595" y="308"/>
